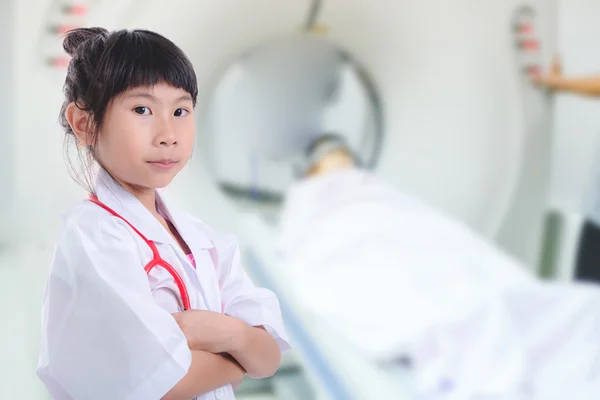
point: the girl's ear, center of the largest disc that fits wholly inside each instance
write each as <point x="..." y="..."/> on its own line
<point x="81" y="124"/>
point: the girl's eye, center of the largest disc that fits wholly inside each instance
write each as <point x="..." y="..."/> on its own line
<point x="180" y="112"/>
<point x="142" y="110"/>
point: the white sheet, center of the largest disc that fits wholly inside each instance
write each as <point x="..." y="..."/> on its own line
<point x="392" y="276"/>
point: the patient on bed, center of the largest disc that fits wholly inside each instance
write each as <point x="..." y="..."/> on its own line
<point x="396" y="278"/>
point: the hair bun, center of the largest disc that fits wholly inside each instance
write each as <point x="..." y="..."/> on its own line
<point x="75" y="37"/>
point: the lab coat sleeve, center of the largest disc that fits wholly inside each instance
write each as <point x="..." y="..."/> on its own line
<point x="103" y="335"/>
<point x="243" y="300"/>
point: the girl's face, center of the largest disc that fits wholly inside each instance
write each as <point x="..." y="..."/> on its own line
<point x="147" y="136"/>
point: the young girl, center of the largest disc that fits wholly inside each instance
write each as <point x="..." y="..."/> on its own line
<point x="144" y="301"/>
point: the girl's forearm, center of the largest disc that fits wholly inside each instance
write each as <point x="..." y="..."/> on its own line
<point x="257" y="352"/>
<point x="253" y="347"/>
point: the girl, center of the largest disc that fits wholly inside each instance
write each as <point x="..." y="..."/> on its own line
<point x="128" y="266"/>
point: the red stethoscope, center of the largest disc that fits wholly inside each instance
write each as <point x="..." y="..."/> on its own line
<point x="156" y="258"/>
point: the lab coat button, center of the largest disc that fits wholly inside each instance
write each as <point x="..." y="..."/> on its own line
<point x="219" y="393"/>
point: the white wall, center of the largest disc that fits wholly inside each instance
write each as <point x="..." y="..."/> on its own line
<point x="577" y="119"/>
<point x="21" y="294"/>
<point x="7" y="112"/>
<point x="44" y="188"/>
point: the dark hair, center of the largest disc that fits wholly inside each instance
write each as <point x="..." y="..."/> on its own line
<point x="106" y="64"/>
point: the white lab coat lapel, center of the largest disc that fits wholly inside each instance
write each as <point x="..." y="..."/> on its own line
<point x="129" y="207"/>
<point x="203" y="277"/>
<point x="205" y="273"/>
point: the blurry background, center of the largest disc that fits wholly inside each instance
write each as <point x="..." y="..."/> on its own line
<point x="435" y="94"/>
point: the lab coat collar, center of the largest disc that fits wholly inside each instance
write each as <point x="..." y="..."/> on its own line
<point x="129" y="207"/>
<point x="194" y="237"/>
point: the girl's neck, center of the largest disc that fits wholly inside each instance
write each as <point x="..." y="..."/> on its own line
<point x="146" y="196"/>
<point x="148" y="199"/>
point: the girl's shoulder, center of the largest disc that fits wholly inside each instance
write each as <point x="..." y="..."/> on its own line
<point x="90" y="239"/>
<point x="201" y="225"/>
<point x="220" y="240"/>
<point x="87" y="221"/>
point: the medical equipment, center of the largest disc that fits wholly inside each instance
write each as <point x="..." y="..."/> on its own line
<point x="157" y="260"/>
<point x="433" y="291"/>
<point x="275" y="100"/>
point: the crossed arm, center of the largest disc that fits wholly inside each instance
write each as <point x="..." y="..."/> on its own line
<point x="224" y="350"/>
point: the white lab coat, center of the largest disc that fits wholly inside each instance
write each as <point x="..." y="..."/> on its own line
<point x="107" y="328"/>
<point x="395" y="277"/>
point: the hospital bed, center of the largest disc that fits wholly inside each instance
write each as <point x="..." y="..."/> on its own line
<point x="335" y="371"/>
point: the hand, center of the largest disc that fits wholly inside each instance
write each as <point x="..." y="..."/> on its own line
<point x="210" y="331"/>
<point x="553" y="75"/>
<point x="235" y="384"/>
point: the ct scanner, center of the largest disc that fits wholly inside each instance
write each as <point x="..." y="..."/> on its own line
<point x="461" y="123"/>
<point x="462" y="126"/>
